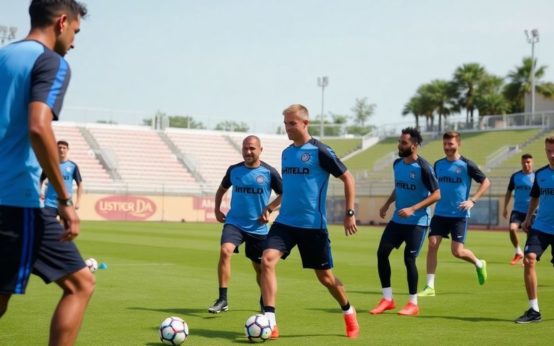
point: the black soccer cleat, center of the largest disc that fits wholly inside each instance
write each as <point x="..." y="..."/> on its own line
<point x="529" y="316"/>
<point x="218" y="306"/>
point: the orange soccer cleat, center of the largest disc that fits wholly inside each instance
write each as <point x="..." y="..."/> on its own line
<point x="410" y="309"/>
<point x="383" y="306"/>
<point x="352" y="327"/>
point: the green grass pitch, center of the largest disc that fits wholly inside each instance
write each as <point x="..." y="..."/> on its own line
<point x="156" y="270"/>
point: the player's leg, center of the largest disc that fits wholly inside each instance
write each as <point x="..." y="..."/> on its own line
<point x="439" y="230"/>
<point x="4" y="299"/>
<point x="279" y="243"/>
<point x="516" y="219"/>
<point x="414" y="239"/>
<point x="336" y="288"/>
<point x="68" y="316"/>
<point x="231" y="238"/>
<point x="534" y="247"/>
<point x="254" y="248"/>
<point x="388" y="242"/>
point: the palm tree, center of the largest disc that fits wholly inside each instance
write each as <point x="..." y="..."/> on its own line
<point x="419" y="105"/>
<point x="520" y="84"/>
<point x="441" y="97"/>
<point x="466" y="81"/>
<point x="489" y="100"/>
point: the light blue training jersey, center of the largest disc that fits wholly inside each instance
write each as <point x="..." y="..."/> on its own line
<point x="305" y="171"/>
<point x="29" y="72"/>
<point x="455" y="184"/>
<point x="413" y="182"/>
<point x="543" y="189"/>
<point x="521" y="183"/>
<point x="251" y="192"/>
<point x="70" y="172"/>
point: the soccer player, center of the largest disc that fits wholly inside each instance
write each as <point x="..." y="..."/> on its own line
<point x="416" y="188"/>
<point x="33" y="78"/>
<point x="540" y="231"/>
<point x="521" y="181"/>
<point x="302" y="219"/>
<point x="455" y="174"/>
<point x="246" y="221"/>
<point x="70" y="172"/>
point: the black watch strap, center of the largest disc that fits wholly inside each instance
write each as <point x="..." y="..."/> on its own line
<point x="65" y="202"/>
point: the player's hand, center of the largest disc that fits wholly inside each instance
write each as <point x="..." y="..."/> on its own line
<point x="350" y="227"/>
<point x="505" y="213"/>
<point x="383" y="211"/>
<point x="526" y="225"/>
<point x="70" y="221"/>
<point x="264" y="218"/>
<point x="42" y="196"/>
<point x="406" y="212"/>
<point x="466" y="205"/>
<point x="76" y="207"/>
<point x="220" y="216"/>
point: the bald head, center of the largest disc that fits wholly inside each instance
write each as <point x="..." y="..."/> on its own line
<point x="251" y="150"/>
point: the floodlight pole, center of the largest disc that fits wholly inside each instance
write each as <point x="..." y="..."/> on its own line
<point x="7" y="33"/>
<point x="322" y="82"/>
<point x="532" y="38"/>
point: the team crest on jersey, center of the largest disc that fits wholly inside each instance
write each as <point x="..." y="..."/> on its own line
<point x="260" y="179"/>
<point x="458" y="170"/>
<point x="412" y="175"/>
<point x="305" y="157"/>
<point x="68" y="169"/>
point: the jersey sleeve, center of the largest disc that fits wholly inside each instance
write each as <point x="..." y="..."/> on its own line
<point x="474" y="172"/>
<point x="77" y="175"/>
<point x="49" y="80"/>
<point x="535" y="190"/>
<point x="329" y="161"/>
<point x="512" y="184"/>
<point x="428" y="177"/>
<point x="226" y="182"/>
<point x="276" y="181"/>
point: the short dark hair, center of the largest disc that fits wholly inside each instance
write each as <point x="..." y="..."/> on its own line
<point x="44" y="12"/>
<point x="526" y="156"/>
<point x="549" y="140"/>
<point x="414" y="134"/>
<point x="452" y="135"/>
<point x="62" y="142"/>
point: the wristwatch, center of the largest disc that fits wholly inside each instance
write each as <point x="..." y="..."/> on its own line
<point x="65" y="202"/>
<point x="350" y="212"/>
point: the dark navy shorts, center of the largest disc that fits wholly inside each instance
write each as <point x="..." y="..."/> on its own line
<point x="537" y="242"/>
<point x="255" y="244"/>
<point x="314" y="245"/>
<point x="445" y="226"/>
<point x="517" y="217"/>
<point x="396" y="233"/>
<point x="30" y="242"/>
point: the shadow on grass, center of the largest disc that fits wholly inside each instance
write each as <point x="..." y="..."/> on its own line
<point x="200" y="313"/>
<point x="468" y="318"/>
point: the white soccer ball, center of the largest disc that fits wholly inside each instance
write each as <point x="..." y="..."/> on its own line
<point x="92" y="264"/>
<point x="257" y="328"/>
<point x="173" y="331"/>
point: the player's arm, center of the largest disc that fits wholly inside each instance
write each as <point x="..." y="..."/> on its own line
<point x="389" y="201"/>
<point x="349" y="196"/>
<point x="80" y="189"/>
<point x="470" y="203"/>
<point x="430" y="199"/>
<point x="218" y="198"/>
<point x="44" y="145"/>
<point x="533" y="204"/>
<point x="270" y="208"/>
<point x="507" y="198"/>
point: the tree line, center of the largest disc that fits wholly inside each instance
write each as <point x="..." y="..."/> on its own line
<point x="473" y="89"/>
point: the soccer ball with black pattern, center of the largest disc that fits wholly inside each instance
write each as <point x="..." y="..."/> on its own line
<point x="173" y="331"/>
<point x="257" y="328"/>
<point x="92" y="264"/>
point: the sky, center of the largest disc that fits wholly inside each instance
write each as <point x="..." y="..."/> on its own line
<point x="247" y="60"/>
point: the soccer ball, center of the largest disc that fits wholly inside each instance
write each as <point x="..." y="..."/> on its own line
<point x="91" y="264"/>
<point x="257" y="328"/>
<point x="173" y="331"/>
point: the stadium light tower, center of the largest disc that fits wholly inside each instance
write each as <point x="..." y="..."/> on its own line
<point x="7" y="33"/>
<point x="322" y="82"/>
<point x="532" y="38"/>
